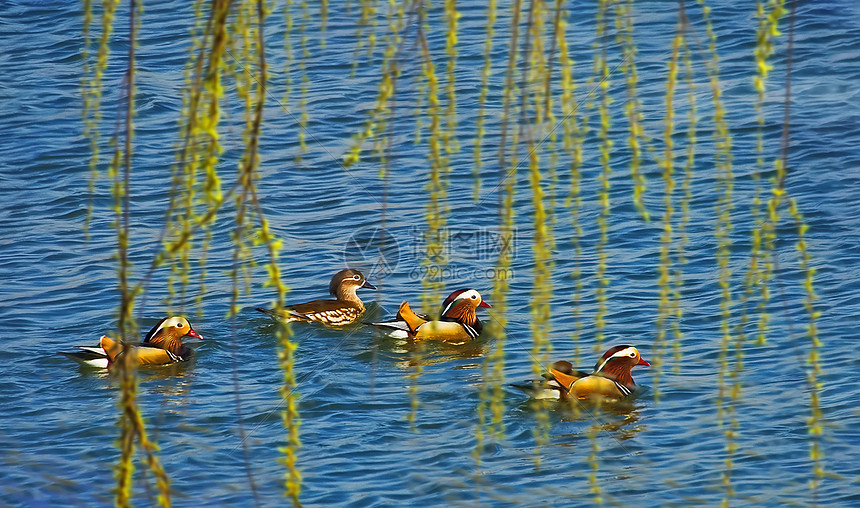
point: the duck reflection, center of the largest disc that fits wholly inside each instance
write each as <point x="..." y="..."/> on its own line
<point x="620" y="418"/>
<point x="409" y="354"/>
<point x="172" y="380"/>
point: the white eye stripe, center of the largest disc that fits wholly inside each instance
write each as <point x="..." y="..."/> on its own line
<point x="629" y="352"/>
<point x="472" y="294"/>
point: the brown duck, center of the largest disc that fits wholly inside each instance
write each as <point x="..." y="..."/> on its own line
<point x="345" y="310"/>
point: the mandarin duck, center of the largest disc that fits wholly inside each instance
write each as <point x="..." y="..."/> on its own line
<point x="458" y="322"/>
<point x="610" y="380"/>
<point x="161" y="346"/>
<point x="344" y="311"/>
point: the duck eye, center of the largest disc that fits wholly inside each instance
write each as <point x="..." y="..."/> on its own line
<point x="180" y="325"/>
<point x="474" y="297"/>
<point x="632" y="355"/>
<point x="356" y="277"/>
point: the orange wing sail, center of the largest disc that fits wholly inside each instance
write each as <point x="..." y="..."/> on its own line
<point x="412" y="320"/>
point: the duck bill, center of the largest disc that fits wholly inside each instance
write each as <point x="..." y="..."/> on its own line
<point x="368" y="285"/>
<point x="643" y="362"/>
<point x="192" y="333"/>
<point x="485" y="304"/>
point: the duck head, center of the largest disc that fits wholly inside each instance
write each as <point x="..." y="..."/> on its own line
<point x="168" y="333"/>
<point x="617" y="363"/>
<point x="345" y="283"/>
<point x="461" y="305"/>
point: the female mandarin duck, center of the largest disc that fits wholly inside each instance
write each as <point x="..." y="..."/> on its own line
<point x="611" y="379"/>
<point x="344" y="311"/>
<point x="162" y="346"/>
<point x="457" y="323"/>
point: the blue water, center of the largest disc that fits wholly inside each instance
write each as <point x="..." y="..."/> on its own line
<point x="58" y="431"/>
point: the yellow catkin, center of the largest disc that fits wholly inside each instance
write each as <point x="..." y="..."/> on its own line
<point x="602" y="75"/>
<point x="304" y="117"/>
<point x="549" y="116"/>
<point x="131" y="425"/>
<point x="250" y="162"/>
<point x="573" y="144"/>
<point x="200" y="189"/>
<point x="435" y="238"/>
<point x="323" y="21"/>
<point x="601" y="68"/>
<point x="690" y="161"/>
<point x="815" y="422"/>
<point x="449" y="136"/>
<point x="250" y="75"/>
<point x="725" y="183"/>
<point x="632" y="107"/>
<point x="377" y="125"/>
<point x="196" y="170"/>
<point x="482" y="96"/>
<point x="286" y="360"/>
<point x="501" y="287"/>
<point x="491" y="374"/>
<point x="532" y="91"/>
<point x="387" y="88"/>
<point x="253" y="65"/>
<point x="764" y="237"/>
<point x="435" y="255"/>
<point x="779" y="195"/>
<point x="761" y="243"/>
<point x="366" y="21"/>
<point x="89" y="107"/>
<point x="179" y="211"/>
<point x="289" y="53"/>
<point x="119" y="166"/>
<point x="665" y="311"/>
<point x="506" y="190"/>
<point x="92" y="85"/>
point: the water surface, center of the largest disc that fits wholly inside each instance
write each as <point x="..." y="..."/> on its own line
<point x="358" y="448"/>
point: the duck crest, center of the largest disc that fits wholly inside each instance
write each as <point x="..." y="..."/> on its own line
<point x="151" y="333"/>
<point x="451" y="299"/>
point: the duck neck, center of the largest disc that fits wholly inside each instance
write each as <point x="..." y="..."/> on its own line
<point x="349" y="295"/>
<point x="463" y="314"/>
<point x="618" y="371"/>
<point x="170" y="344"/>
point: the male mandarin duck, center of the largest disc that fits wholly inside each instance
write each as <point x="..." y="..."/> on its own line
<point x="610" y="380"/>
<point x="344" y="311"/>
<point x="161" y="346"/>
<point x="457" y="322"/>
